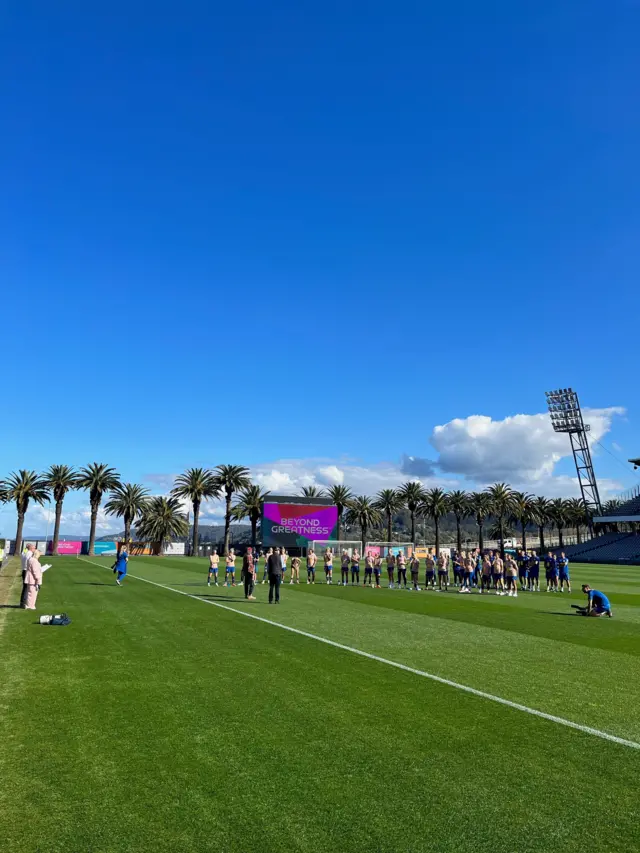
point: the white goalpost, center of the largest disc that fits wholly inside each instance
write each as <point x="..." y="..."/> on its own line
<point x="383" y="548"/>
<point x="337" y="546"/>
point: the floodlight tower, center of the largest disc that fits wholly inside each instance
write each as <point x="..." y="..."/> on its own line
<point x="566" y="416"/>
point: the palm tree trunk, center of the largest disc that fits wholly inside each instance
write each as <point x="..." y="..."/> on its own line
<point x="127" y="531"/>
<point x="18" y="549"/>
<point x="578" y="537"/>
<point x="227" y="524"/>
<point x="364" y="537"/>
<point x="436" y="521"/>
<point x="524" y="536"/>
<point x="388" y="526"/>
<point x="481" y="535"/>
<point x="541" y="529"/>
<point x="413" y="527"/>
<point x="56" y="527"/>
<point x="560" y="539"/>
<point x="458" y="535"/>
<point x="196" y="518"/>
<point x="339" y="530"/>
<point x="501" y="529"/>
<point x="92" y="530"/>
<point x="254" y="532"/>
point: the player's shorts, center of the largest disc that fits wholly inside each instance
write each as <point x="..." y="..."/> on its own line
<point x="442" y="574"/>
<point x="431" y="573"/>
<point x="468" y="576"/>
<point x="355" y="569"/>
<point x="534" y="573"/>
<point x="498" y="576"/>
<point x="564" y="576"/>
<point x="377" y="572"/>
<point x="522" y="573"/>
<point x="598" y="608"/>
<point x="213" y="570"/>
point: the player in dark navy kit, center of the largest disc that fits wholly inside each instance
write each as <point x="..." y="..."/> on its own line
<point x="533" y="572"/>
<point x="551" y="572"/>
<point x="563" y="573"/>
<point x="522" y="559"/>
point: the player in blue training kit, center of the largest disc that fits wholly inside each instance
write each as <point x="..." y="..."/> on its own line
<point x="597" y="605"/>
<point x="563" y="573"/>
<point x="551" y="572"/>
<point x="522" y="559"/>
<point x="533" y="572"/>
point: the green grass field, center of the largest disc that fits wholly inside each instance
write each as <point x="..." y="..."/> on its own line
<point x="156" y="722"/>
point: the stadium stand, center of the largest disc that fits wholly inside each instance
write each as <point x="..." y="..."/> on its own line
<point x="631" y="507"/>
<point x="611" y="548"/>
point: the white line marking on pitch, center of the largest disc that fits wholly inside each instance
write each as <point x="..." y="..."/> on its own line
<point x="465" y="688"/>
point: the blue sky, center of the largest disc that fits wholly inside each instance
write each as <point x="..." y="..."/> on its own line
<point x="314" y="232"/>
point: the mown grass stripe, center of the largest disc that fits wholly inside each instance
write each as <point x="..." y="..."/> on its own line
<point x="431" y="676"/>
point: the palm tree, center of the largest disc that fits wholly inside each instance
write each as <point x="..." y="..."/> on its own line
<point x="97" y="478"/>
<point x="127" y="502"/>
<point x="412" y="495"/>
<point x="60" y="480"/>
<point x="22" y="487"/>
<point x="435" y="505"/>
<point x="501" y="508"/>
<point x="312" y="492"/>
<point x="577" y="515"/>
<point x="389" y="502"/>
<point x="523" y="512"/>
<point x="230" y="479"/>
<point x="559" y="517"/>
<point x="459" y="506"/>
<point x="249" y="505"/>
<point x="341" y="496"/>
<point x="196" y="485"/>
<point x="480" y="506"/>
<point x="611" y="506"/>
<point x="541" y="517"/>
<point x="363" y="512"/>
<point x="161" y="521"/>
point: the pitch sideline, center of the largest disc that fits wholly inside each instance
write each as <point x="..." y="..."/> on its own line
<point x="437" y="678"/>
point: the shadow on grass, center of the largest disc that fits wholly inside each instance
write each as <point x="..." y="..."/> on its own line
<point x="226" y="598"/>
<point x="10" y="607"/>
<point x="556" y="613"/>
<point x="91" y="583"/>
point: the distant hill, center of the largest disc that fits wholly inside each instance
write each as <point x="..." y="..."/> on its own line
<point x="240" y="533"/>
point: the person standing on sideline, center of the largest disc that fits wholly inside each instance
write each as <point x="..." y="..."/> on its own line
<point x="368" y="569"/>
<point x="355" y="568"/>
<point x="230" y="571"/>
<point x="120" y="566"/>
<point x="485" y="577"/>
<point x="533" y="572"/>
<point x="443" y="571"/>
<point x="284" y="557"/>
<point x="33" y="579"/>
<point x="295" y="570"/>
<point x="414" y="565"/>
<point x="563" y="568"/>
<point x="274" y="571"/>
<point x="311" y="566"/>
<point x="498" y="574"/>
<point x="328" y="566"/>
<point x="377" y="569"/>
<point x="27" y="554"/>
<point x="391" y="566"/>
<point x="249" y="574"/>
<point x="551" y="572"/>
<point x="429" y="571"/>
<point x="214" y="562"/>
<point x="401" y="564"/>
<point x="511" y="575"/>
<point x="344" y="563"/>
<point x="266" y="560"/>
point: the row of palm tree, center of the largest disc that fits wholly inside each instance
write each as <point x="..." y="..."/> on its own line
<point x="500" y="502"/>
<point x="156" y="519"/>
<point x="161" y="519"/>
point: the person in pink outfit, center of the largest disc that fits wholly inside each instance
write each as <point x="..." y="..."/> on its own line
<point x="33" y="580"/>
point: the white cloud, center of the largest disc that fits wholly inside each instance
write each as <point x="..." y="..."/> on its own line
<point x="521" y="448"/>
